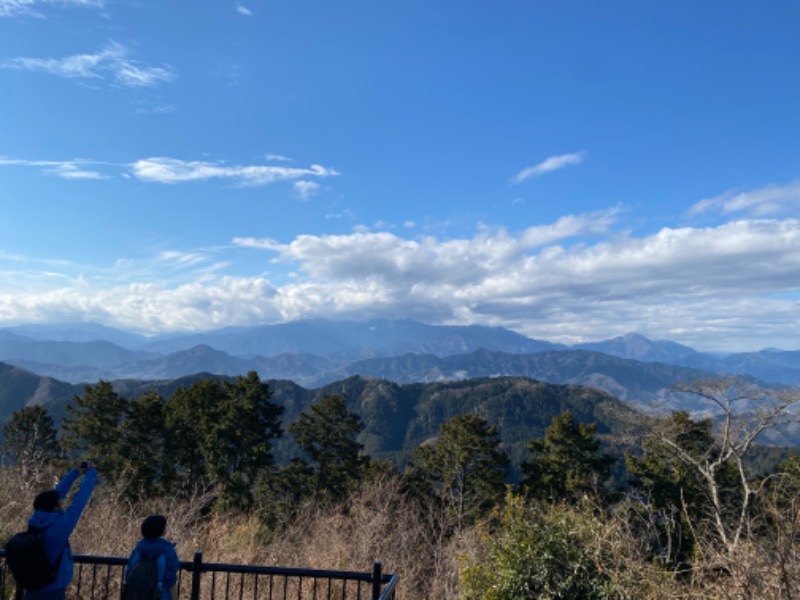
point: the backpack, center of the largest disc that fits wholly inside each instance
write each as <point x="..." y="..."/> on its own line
<point x="27" y="559"/>
<point x="144" y="578"/>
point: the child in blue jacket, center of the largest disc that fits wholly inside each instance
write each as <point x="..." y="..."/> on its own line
<point x="154" y="544"/>
<point x="58" y="524"/>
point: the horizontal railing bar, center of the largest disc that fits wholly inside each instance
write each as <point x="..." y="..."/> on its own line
<point x="288" y="571"/>
<point x="232" y="568"/>
<point x="247" y="569"/>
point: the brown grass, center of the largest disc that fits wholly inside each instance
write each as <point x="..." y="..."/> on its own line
<point x="379" y="523"/>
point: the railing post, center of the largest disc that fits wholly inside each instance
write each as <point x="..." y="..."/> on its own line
<point x="377" y="577"/>
<point x="197" y="565"/>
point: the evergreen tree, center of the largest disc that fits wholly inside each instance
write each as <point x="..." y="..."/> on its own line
<point x="247" y="425"/>
<point x="147" y="469"/>
<point x="668" y="480"/>
<point x="221" y="433"/>
<point x="30" y="439"/>
<point x="464" y="468"/>
<point x="327" y="434"/>
<point x="686" y="486"/>
<point x="92" y="427"/>
<point x="191" y="415"/>
<point x="566" y="463"/>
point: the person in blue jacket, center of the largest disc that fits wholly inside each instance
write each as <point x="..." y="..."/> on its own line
<point x="153" y="543"/>
<point x="58" y="524"/>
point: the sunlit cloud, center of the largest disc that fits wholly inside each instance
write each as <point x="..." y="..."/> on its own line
<point x="171" y="170"/>
<point x="700" y="283"/>
<point x="548" y="165"/>
<point x="768" y="200"/>
<point x="110" y="62"/>
<point x="243" y="10"/>
<point x="10" y="8"/>
<point x="709" y="287"/>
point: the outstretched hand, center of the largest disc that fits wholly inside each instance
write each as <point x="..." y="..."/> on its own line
<point x="85" y="465"/>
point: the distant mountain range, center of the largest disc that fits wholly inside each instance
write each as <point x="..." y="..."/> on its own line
<point x="316" y="352"/>
<point x="395" y="361"/>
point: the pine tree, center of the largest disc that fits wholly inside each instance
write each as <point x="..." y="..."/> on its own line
<point x="566" y="463"/>
<point x="221" y="433"/>
<point x="92" y="427"/>
<point x="465" y="468"/>
<point x="327" y="435"/>
<point x="147" y="469"/>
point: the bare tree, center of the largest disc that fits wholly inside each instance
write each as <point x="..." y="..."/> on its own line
<point x="745" y="411"/>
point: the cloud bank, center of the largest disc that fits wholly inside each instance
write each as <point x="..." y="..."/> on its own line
<point x="732" y="287"/>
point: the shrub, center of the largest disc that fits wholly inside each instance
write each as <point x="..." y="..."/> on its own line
<point x="536" y="551"/>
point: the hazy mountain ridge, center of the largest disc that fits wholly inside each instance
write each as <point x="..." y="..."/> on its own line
<point x="319" y="351"/>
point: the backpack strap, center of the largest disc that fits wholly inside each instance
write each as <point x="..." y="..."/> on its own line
<point x="57" y="562"/>
<point x="161" y="564"/>
<point x="135" y="558"/>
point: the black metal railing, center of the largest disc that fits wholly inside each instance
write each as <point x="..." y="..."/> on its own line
<point x="101" y="577"/>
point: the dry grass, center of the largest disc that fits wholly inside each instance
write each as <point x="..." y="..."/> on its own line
<point x="379" y="522"/>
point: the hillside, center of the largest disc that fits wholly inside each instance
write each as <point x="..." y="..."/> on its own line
<point x="397" y="417"/>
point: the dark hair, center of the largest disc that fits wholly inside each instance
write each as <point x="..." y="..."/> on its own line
<point x="154" y="526"/>
<point x="47" y="501"/>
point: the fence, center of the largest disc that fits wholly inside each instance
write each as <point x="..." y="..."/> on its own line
<point x="100" y="577"/>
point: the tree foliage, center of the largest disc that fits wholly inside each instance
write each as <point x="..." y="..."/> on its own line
<point x="30" y="439"/>
<point x="326" y="433"/>
<point x="147" y="471"/>
<point x="465" y="468"/>
<point x="566" y="463"/>
<point x="92" y="427"/>
<point x="220" y="434"/>
<point x="210" y="435"/>
<point x="536" y="551"/>
<point x="687" y="464"/>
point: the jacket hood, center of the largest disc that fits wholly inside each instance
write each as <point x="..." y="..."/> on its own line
<point x="154" y="546"/>
<point x="43" y="518"/>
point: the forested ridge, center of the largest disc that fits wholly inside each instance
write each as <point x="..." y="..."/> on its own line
<point x="488" y="488"/>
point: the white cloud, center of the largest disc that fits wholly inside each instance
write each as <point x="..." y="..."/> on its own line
<point x="278" y="158"/>
<point x="243" y="10"/>
<point x="729" y="287"/>
<point x="109" y="62"/>
<point x="769" y="200"/>
<point x="10" y="8"/>
<point x="305" y="189"/>
<point x="552" y="163"/>
<point x="172" y="170"/>
<point x="73" y="171"/>
<point x="69" y="169"/>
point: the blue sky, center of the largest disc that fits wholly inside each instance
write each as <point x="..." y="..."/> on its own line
<point x="569" y="170"/>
